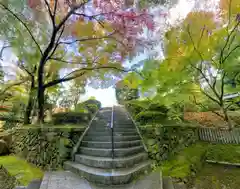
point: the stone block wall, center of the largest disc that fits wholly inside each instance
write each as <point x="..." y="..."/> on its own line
<point x="45" y="147"/>
<point x="162" y="141"/>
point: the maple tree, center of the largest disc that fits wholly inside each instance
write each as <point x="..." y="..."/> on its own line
<point x="80" y="36"/>
<point x="206" y="47"/>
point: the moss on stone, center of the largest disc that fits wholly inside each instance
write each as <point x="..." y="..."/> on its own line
<point x="20" y="169"/>
<point x="224" y="152"/>
<point x="185" y="162"/>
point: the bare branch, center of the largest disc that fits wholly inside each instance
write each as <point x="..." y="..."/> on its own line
<point x="229" y="54"/>
<point x="222" y="86"/>
<point x="206" y="79"/>
<point x="12" y="85"/>
<point x="200" y="104"/>
<point x="68" y="62"/>
<point x="227" y="40"/>
<point x="80" y="72"/>
<point x="57" y="42"/>
<point x="24" y="24"/>
<point x="49" y="9"/>
<point x="195" y="48"/>
<point x="25" y="69"/>
<point x="85" y="39"/>
<point x="1" y="52"/>
<point x="209" y="96"/>
<point x="229" y="105"/>
<point x="55" y="8"/>
<point x="73" y="9"/>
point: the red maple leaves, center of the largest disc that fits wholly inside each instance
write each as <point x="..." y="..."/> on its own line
<point x="128" y="23"/>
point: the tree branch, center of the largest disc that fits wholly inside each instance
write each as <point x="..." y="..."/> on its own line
<point x="228" y="38"/>
<point x="222" y="86"/>
<point x="200" y="104"/>
<point x="24" y="24"/>
<point x="229" y="54"/>
<point x="50" y="13"/>
<point x="206" y="79"/>
<point x="83" y="71"/>
<point x="1" y="52"/>
<point x="210" y="97"/>
<point x="57" y="43"/>
<point x="68" y="62"/>
<point x="12" y="85"/>
<point x="73" y="9"/>
<point x="86" y="39"/>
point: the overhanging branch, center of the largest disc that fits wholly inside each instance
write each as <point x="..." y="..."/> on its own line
<point x="24" y="24"/>
<point x="82" y="71"/>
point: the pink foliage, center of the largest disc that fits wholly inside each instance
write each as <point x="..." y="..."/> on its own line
<point x="128" y="24"/>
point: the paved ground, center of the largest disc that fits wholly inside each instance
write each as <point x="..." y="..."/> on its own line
<point x="68" y="180"/>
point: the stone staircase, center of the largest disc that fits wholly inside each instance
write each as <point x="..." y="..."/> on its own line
<point x="101" y="165"/>
<point x="98" y="162"/>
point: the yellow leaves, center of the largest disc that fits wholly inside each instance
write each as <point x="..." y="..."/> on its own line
<point x="103" y="60"/>
<point x="229" y="5"/>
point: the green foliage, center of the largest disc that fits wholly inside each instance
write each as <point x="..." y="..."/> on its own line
<point x="186" y="162"/>
<point x="127" y="89"/>
<point x="23" y="171"/>
<point x="91" y="105"/>
<point x="224" y="152"/>
<point x="45" y="146"/>
<point x="150" y="117"/>
<point x="71" y="118"/>
<point x="164" y="141"/>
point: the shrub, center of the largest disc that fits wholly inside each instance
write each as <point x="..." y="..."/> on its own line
<point x="93" y="102"/>
<point x="186" y="163"/>
<point x="71" y="117"/>
<point x="91" y="105"/>
<point x="150" y="116"/>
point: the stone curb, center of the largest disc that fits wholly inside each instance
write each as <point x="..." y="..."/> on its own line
<point x="223" y="163"/>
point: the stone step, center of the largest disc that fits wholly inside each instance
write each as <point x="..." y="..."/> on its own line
<point x="167" y="182"/>
<point x="108" y="163"/>
<point x="100" y="144"/>
<point x="109" y="133"/>
<point x="120" y="129"/>
<point x="117" y="129"/>
<point x="108" y="176"/>
<point x="109" y="138"/>
<point x="107" y="152"/>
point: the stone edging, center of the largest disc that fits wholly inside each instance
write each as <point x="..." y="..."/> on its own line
<point x="223" y="163"/>
<point x="75" y="148"/>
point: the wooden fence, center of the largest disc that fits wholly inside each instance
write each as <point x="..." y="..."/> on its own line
<point x="219" y="136"/>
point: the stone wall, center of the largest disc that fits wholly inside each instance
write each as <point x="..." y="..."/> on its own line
<point x="162" y="141"/>
<point x="45" y="147"/>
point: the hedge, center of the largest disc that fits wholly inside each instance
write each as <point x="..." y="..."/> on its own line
<point x="71" y="117"/>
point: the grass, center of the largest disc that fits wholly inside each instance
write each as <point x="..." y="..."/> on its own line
<point x="181" y="165"/>
<point x="217" y="177"/>
<point x="224" y="152"/>
<point x="20" y="169"/>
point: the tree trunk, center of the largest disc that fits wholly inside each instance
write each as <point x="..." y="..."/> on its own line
<point x="30" y="104"/>
<point x="227" y="119"/>
<point x="40" y="94"/>
<point x="40" y="104"/>
<point x="29" y="108"/>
